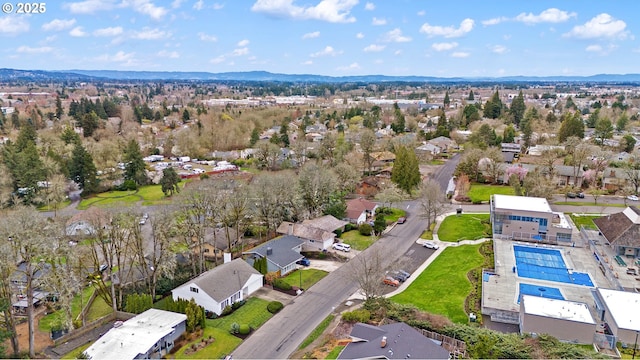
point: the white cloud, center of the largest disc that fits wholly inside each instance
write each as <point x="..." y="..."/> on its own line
<point x="206" y="37"/>
<point x="327" y="51"/>
<point x="352" y="66"/>
<point x="34" y="50"/>
<point x="593" y="48"/>
<point x="77" y="32"/>
<point x="360" y="35"/>
<point x="13" y="25"/>
<point x="378" y="22"/>
<point x="551" y="15"/>
<point x="494" y="21"/>
<point x="499" y="49"/>
<point x="601" y="50"/>
<point x="217" y="60"/>
<point x="311" y="35"/>
<point x="109" y="31"/>
<point x="217" y="6"/>
<point x="240" y="51"/>
<point x="146" y="7"/>
<point x="58" y="25"/>
<point x="177" y="3"/>
<point x="444" y="46"/>
<point x="601" y="26"/>
<point x="421" y="13"/>
<point x="335" y="11"/>
<point x="460" y="54"/>
<point x="119" y="57"/>
<point x="448" y="31"/>
<point x="89" y="6"/>
<point x="308" y="62"/>
<point x="150" y="34"/>
<point x="374" y="48"/>
<point x="370" y="6"/>
<point x="243" y="43"/>
<point x="395" y="35"/>
<point x="397" y="52"/>
<point x="199" y="5"/>
<point x="49" y="39"/>
<point x="168" y="54"/>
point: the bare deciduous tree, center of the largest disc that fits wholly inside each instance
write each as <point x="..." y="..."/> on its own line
<point x="432" y="201"/>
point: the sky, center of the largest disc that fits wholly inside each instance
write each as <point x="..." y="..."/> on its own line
<point x="327" y="37"/>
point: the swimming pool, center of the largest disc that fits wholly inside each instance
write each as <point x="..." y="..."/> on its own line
<point x="546" y="264"/>
<point x="537" y="290"/>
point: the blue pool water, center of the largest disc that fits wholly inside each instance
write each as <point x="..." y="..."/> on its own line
<point x="542" y="291"/>
<point x="546" y="264"/>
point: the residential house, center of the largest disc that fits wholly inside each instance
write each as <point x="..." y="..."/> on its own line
<point x="444" y="143"/>
<point x="622" y="231"/>
<point x="616" y="309"/>
<point x="614" y="178"/>
<point x="316" y="128"/>
<point x="327" y="223"/>
<point x="622" y="156"/>
<point x="371" y="185"/>
<point x="382" y="159"/>
<point x="216" y="241"/>
<point x="566" y="320"/>
<point x="84" y="223"/>
<point x="150" y="335"/>
<point x="428" y="149"/>
<point x="563" y="175"/>
<point x="539" y="149"/>
<point x="511" y="147"/>
<point x="528" y="219"/>
<point x="359" y="210"/>
<point x="221" y="286"/>
<point x="392" y="341"/>
<point x="281" y="253"/>
<point x="315" y="239"/>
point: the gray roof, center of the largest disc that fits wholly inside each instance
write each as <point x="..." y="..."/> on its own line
<point x="326" y="223"/>
<point x="403" y="342"/>
<point x="282" y="250"/>
<point x="225" y="280"/>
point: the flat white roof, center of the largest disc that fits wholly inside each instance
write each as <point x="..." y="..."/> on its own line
<point x="557" y="309"/>
<point x="522" y="203"/>
<point x="136" y="335"/>
<point x="623" y="307"/>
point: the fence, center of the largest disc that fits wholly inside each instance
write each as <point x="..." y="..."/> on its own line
<point x="457" y="348"/>
<point x="118" y="315"/>
<point x="599" y="253"/>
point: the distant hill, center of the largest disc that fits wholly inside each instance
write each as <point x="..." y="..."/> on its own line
<point x="88" y="75"/>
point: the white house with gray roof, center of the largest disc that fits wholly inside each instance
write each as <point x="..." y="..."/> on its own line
<point x="221" y="286"/>
<point x="281" y="253"/>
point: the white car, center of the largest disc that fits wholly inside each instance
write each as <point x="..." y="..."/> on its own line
<point x="430" y="245"/>
<point x="342" y="247"/>
<point x="632" y="198"/>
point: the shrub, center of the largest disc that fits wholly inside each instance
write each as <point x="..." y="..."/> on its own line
<point x="349" y="227"/>
<point x="237" y="304"/>
<point x="360" y="315"/>
<point x="227" y="310"/>
<point x="365" y="229"/>
<point x="235" y="328"/>
<point x="463" y="198"/>
<point x="338" y="233"/>
<point x="244" y="329"/>
<point x="274" y="306"/>
<point x="204" y="176"/>
<point x="281" y="284"/>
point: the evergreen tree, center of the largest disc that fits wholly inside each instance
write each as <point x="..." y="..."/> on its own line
<point x="509" y="134"/>
<point x="185" y="115"/>
<point x="517" y="108"/>
<point x="89" y="123"/>
<point x="169" y="181"/>
<point x="379" y="224"/>
<point x="59" y="111"/>
<point x="493" y="107"/>
<point x="399" y="123"/>
<point x="70" y="137"/>
<point x="255" y="136"/>
<point x="82" y="170"/>
<point x="572" y="125"/>
<point x="284" y="134"/>
<point x="471" y="96"/>
<point x="622" y="122"/>
<point x="406" y="172"/>
<point x="134" y="165"/>
<point x="603" y="130"/>
<point x="447" y="101"/>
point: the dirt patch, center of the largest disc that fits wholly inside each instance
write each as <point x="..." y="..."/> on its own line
<point x="41" y="339"/>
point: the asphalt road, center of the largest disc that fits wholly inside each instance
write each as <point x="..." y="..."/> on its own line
<point x="279" y="337"/>
<point x="444" y="174"/>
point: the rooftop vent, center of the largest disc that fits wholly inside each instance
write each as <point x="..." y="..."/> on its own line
<point x="383" y="342"/>
<point x="269" y="251"/>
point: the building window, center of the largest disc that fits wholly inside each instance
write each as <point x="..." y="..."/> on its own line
<point x="206" y="250"/>
<point x="193" y="289"/>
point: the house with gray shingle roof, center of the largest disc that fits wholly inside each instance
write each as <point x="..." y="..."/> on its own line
<point x="221" y="286"/>
<point x="622" y="231"/>
<point x="281" y="253"/>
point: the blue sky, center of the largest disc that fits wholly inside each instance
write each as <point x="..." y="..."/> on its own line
<point x="329" y="37"/>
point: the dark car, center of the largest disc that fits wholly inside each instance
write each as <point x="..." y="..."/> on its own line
<point x="399" y="275"/>
<point x="581" y="195"/>
<point x="571" y="195"/>
<point x="402" y="220"/>
<point x="304" y="262"/>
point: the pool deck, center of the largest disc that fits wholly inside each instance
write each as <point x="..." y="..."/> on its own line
<point x="499" y="294"/>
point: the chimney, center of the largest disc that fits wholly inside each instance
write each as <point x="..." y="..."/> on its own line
<point x="226" y="257"/>
<point x="383" y="342"/>
<point x="290" y="232"/>
<point x="269" y="251"/>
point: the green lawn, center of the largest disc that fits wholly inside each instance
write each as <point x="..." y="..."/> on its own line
<point x="479" y="192"/>
<point x="223" y="345"/>
<point x="443" y="287"/>
<point x="254" y="313"/>
<point x="75" y="354"/>
<point x="584" y="220"/>
<point x="464" y="227"/>
<point x="316" y="332"/>
<point x="428" y="233"/>
<point x="55" y="319"/>
<point x="308" y="276"/>
<point x="579" y="203"/>
<point x="55" y="206"/>
<point x="356" y="240"/>
<point x="335" y="352"/>
<point x="108" y="199"/>
<point x="98" y="309"/>
<point x="395" y="215"/>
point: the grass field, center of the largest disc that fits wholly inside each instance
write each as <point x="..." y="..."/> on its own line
<point x="356" y="240"/>
<point x="427" y="234"/>
<point x="55" y="319"/>
<point x="443" y="287"/>
<point x="223" y="345"/>
<point x="480" y="193"/>
<point x="335" y="352"/>
<point x="584" y="220"/>
<point x="395" y="215"/>
<point x="98" y="309"/>
<point x="75" y="354"/>
<point x="464" y="227"/>
<point x="308" y="276"/>
<point x="55" y="206"/>
<point x="254" y="313"/>
<point x="149" y="195"/>
<point x="316" y="332"/>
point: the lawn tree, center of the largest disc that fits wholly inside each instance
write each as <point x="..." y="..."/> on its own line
<point x="82" y="170"/>
<point x="632" y="172"/>
<point x="348" y="177"/>
<point x="134" y="165"/>
<point x="469" y="163"/>
<point x="390" y="195"/>
<point x="236" y="211"/>
<point x="160" y="258"/>
<point x="328" y="148"/>
<point x="7" y="268"/>
<point x="274" y="198"/>
<point x="463" y="185"/>
<point x="379" y="224"/>
<point x="398" y="124"/>
<point x="170" y="181"/>
<point x="547" y="161"/>
<point x="406" y="171"/>
<point x="316" y="183"/>
<point x="31" y="237"/>
<point x="579" y="152"/>
<point x="571" y="126"/>
<point x="267" y="154"/>
<point x="627" y="143"/>
<point x="368" y="272"/>
<point x="600" y="159"/>
<point x="603" y="131"/>
<point x="432" y="201"/>
<point x="367" y="145"/>
<point x="492" y="164"/>
<point x="596" y="193"/>
<point x="535" y="184"/>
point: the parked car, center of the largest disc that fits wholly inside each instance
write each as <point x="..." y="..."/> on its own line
<point x="304" y="262"/>
<point x="388" y="280"/>
<point x="142" y="221"/>
<point x="402" y="220"/>
<point x="342" y="247"/>
<point x="399" y="275"/>
<point x="571" y="195"/>
<point x="430" y="245"/>
<point x="632" y="198"/>
<point x="581" y="195"/>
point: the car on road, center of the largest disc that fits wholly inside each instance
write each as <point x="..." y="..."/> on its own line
<point x="632" y="198"/>
<point x="402" y="220"/>
<point x="430" y="245"/>
<point x="581" y="195"/>
<point x="388" y="280"/>
<point x="342" y="247"/>
<point x="304" y="262"/>
<point x="399" y="275"/>
<point x="142" y="221"/>
<point x="571" y="195"/>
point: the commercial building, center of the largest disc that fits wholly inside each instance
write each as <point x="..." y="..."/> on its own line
<point x="566" y="320"/>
